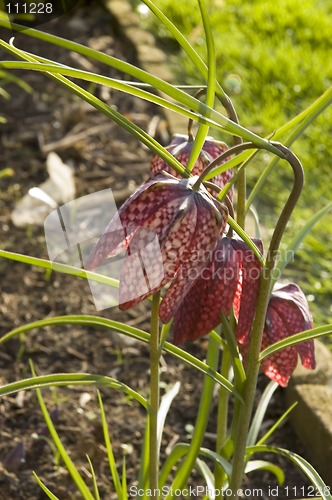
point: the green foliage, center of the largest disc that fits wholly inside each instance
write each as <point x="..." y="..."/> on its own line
<point x="273" y="60"/>
<point x="273" y="41"/>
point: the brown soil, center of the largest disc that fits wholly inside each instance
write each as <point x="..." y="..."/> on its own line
<point x="103" y="155"/>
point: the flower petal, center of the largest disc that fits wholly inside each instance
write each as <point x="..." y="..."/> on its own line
<point x="211" y="293"/>
<point x="174" y="244"/>
<point x="180" y="147"/>
<point x="292" y="305"/>
<point x="153" y="204"/>
<point x="207" y="229"/>
<point x="278" y="366"/>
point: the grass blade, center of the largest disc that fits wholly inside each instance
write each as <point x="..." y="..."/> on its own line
<point x="211" y="86"/>
<point x="110" y="454"/>
<point x="260" y="413"/>
<point x="165" y="405"/>
<point x="185" y="45"/>
<point x="124" y="480"/>
<point x="94" y="479"/>
<point x="208" y="477"/>
<point x="276" y="424"/>
<point x="44" y="488"/>
<point x="62" y="450"/>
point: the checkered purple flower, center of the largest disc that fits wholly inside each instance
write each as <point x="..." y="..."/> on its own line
<point x="180" y="147"/>
<point x="186" y="222"/>
<point x="230" y="276"/>
<point x="287" y="313"/>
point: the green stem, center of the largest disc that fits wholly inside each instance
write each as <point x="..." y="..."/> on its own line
<point x="257" y="332"/>
<point x="154" y="397"/>
<point x="225" y="155"/>
<point x="212" y="360"/>
<point x="223" y="402"/>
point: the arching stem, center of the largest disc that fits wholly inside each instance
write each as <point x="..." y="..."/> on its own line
<point x="252" y="368"/>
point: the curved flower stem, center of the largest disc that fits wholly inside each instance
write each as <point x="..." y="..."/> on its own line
<point x="154" y="396"/>
<point x="257" y="332"/>
<point x="226" y="154"/>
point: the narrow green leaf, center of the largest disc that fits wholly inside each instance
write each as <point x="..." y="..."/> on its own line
<point x="254" y="465"/>
<point x="314" y="333"/>
<point x="208" y="477"/>
<point x="260" y="413"/>
<point x="185" y="45"/>
<point x="239" y="373"/>
<point x="246" y="238"/>
<point x="211" y="86"/>
<point x="63" y="452"/>
<point x="44" y="488"/>
<point x="212" y="360"/>
<point x="116" y="84"/>
<point x="110" y="112"/>
<point x="276" y="424"/>
<point x="301" y="122"/>
<point x="66" y="379"/>
<point x="94" y="479"/>
<point x="308" y="115"/>
<point x="143" y="476"/>
<point x="205" y="452"/>
<point x="124" y="480"/>
<point x="206" y="113"/>
<point x="62" y="268"/>
<point x="178" y="451"/>
<point x="110" y="454"/>
<point x="305" y="467"/>
<point x="86" y="320"/>
<point x="165" y="405"/>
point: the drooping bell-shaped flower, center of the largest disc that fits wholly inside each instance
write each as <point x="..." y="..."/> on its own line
<point x="181" y="146"/>
<point x="287" y="313"/>
<point x="185" y="222"/>
<point x="212" y="290"/>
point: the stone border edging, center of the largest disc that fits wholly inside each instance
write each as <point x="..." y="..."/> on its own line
<point x="312" y="417"/>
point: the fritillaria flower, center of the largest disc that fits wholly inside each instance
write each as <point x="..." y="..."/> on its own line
<point x="230" y="275"/>
<point x="287" y="313"/>
<point x="181" y="146"/>
<point x="186" y="223"/>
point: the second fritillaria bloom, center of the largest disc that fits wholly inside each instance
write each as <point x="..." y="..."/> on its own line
<point x="213" y="290"/>
<point x="187" y="224"/>
<point x="287" y="314"/>
<point x="180" y="147"/>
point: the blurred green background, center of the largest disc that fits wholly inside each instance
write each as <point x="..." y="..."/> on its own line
<point x="274" y="58"/>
